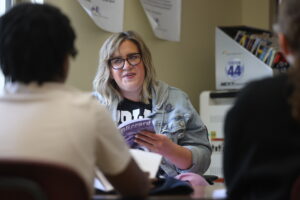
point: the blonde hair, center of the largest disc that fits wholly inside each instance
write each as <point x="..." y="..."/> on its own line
<point x="103" y="82"/>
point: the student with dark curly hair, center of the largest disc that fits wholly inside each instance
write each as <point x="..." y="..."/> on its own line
<point x="44" y="119"/>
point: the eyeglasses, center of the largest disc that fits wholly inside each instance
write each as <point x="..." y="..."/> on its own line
<point x="118" y="63"/>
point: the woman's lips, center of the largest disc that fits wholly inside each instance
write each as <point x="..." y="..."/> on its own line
<point x="129" y="75"/>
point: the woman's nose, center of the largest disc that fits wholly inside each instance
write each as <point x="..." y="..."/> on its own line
<point x="127" y="65"/>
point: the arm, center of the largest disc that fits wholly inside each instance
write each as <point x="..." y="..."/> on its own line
<point x="180" y="156"/>
<point x="131" y="182"/>
<point x="114" y="160"/>
<point x="191" y="151"/>
<point x="196" y="140"/>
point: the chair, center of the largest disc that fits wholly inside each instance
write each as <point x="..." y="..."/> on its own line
<point x="35" y="180"/>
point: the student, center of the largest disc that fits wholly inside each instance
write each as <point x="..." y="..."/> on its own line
<point x="127" y="85"/>
<point x="262" y="130"/>
<point x="44" y="119"/>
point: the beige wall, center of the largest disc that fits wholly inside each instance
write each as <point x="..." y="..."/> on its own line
<point x="256" y="13"/>
<point x="188" y="64"/>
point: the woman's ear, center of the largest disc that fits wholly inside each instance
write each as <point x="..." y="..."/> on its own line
<point x="283" y="44"/>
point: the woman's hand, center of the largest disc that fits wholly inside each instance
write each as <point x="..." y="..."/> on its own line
<point x="161" y="144"/>
<point x="157" y="143"/>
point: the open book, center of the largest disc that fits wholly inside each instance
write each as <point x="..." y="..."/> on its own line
<point x="147" y="161"/>
<point x="130" y="128"/>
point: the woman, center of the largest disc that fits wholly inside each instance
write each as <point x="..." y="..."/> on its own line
<point x="262" y="132"/>
<point x="126" y="84"/>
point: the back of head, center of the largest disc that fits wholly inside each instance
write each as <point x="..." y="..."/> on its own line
<point x="289" y="23"/>
<point x="289" y="26"/>
<point x="35" y="40"/>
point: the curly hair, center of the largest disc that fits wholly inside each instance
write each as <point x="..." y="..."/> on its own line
<point x="34" y="42"/>
<point x="103" y="82"/>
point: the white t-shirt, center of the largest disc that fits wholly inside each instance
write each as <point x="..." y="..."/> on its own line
<point x="58" y="123"/>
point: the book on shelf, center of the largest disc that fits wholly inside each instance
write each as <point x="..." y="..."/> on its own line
<point x="130" y="128"/>
<point x="255" y="45"/>
<point x="267" y="57"/>
<point x="239" y="35"/>
<point x="270" y="59"/>
<point x="264" y="46"/>
<point x="279" y="62"/>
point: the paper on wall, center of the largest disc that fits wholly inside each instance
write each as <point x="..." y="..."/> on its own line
<point x="107" y="14"/>
<point x="164" y="17"/>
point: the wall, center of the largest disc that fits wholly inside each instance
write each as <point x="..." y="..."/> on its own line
<point x="256" y="13"/>
<point x="188" y="64"/>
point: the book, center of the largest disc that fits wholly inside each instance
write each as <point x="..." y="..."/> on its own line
<point x="130" y="128"/>
<point x="239" y="35"/>
<point x="255" y="45"/>
<point x="280" y="63"/>
<point x="271" y="57"/>
<point x="147" y="162"/>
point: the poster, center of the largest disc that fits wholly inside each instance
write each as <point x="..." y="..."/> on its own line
<point x="164" y="17"/>
<point x="107" y="14"/>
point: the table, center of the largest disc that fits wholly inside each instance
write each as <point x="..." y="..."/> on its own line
<point x="200" y="192"/>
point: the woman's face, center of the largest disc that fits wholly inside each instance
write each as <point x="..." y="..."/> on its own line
<point x="130" y="78"/>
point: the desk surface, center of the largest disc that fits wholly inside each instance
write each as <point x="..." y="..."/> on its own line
<point x="200" y="192"/>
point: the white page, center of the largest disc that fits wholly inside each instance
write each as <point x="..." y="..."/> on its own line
<point x="164" y="17"/>
<point x="147" y="161"/>
<point x="108" y="15"/>
<point x="101" y="182"/>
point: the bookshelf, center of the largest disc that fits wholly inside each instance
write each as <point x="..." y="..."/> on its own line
<point x="244" y="54"/>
